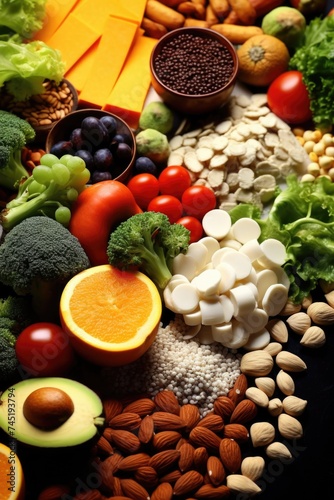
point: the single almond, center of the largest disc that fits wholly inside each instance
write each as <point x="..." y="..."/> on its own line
<point x="180" y="442"/>
<point x="126" y="420"/>
<point x="278" y="450"/>
<point x="275" y="407"/>
<point x="111" y="408"/>
<point x="266" y="384"/>
<point x="165" y="440"/>
<point x="54" y="492"/>
<point x="236" y="431"/>
<point x="290" y="362"/>
<point x="230" y="455"/>
<point x="202" y="436"/>
<point x="171" y="477"/>
<point x="215" y="470"/>
<point x="258" y="397"/>
<point x="133" y="462"/>
<point x="289" y="427"/>
<point x="146" y="476"/>
<point x="146" y="429"/>
<point x="104" y="446"/>
<point x="224" y="407"/>
<point x="190" y="415"/>
<point x="273" y="348"/>
<point x="237" y="393"/>
<point x="212" y="421"/>
<point x="321" y="313"/>
<point x="290" y="308"/>
<point x="285" y="383"/>
<point x="164" y="491"/>
<point x="125" y="440"/>
<point x="164" y="421"/>
<point x="253" y="467"/>
<point x="167" y="401"/>
<point x="133" y="489"/>
<point x="142" y="406"/>
<point x="244" y="412"/>
<point x="200" y="459"/>
<point x="329" y="296"/>
<point x="314" y="337"/>
<point x="188" y="482"/>
<point x="242" y="484"/>
<point x="278" y="330"/>
<point x="262" y="433"/>
<point x="299" y="322"/>
<point x="186" y="459"/>
<point x="294" y="406"/>
<point x="110" y="464"/>
<point x="164" y="459"/>
<point x="256" y="363"/>
<point x="210" y="492"/>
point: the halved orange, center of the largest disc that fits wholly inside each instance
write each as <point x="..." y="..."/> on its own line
<point x="111" y="316"/>
<point x="12" y="485"/>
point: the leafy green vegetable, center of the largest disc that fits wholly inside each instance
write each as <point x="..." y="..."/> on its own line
<point x="25" y="66"/>
<point x="302" y="218"/>
<point x="314" y="58"/>
<point x="149" y="242"/>
<point x="24" y="17"/>
<point x="15" y="134"/>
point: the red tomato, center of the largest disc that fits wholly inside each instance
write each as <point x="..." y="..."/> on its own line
<point x="44" y="350"/>
<point x="193" y="225"/>
<point x="288" y="98"/>
<point x="144" y="188"/>
<point x="168" y="205"/>
<point x="198" y="200"/>
<point x="174" y="180"/>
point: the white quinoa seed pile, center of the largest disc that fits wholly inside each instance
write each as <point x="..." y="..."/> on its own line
<point x="196" y="373"/>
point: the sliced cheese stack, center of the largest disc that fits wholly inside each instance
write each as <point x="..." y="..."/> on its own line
<point x="105" y="52"/>
<point x="228" y="285"/>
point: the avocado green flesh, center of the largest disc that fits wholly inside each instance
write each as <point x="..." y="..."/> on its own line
<point x="79" y="428"/>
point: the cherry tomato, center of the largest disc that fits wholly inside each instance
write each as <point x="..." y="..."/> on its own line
<point x="193" y="225"/>
<point x="288" y="98"/>
<point x="44" y="350"/>
<point x="198" y="200"/>
<point x="144" y="188"/>
<point x="168" y="205"/>
<point x="174" y="180"/>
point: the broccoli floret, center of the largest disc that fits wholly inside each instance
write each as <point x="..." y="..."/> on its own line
<point x="15" y="134"/>
<point x="148" y="242"/>
<point x="37" y="258"/>
<point x="8" y="359"/>
<point x="16" y="313"/>
<point x="22" y="16"/>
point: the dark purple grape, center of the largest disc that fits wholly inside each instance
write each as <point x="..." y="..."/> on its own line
<point x="99" y="176"/>
<point x="110" y="124"/>
<point x="103" y="159"/>
<point x="123" y="138"/>
<point x="123" y="153"/>
<point x="144" y="165"/>
<point x="62" y="148"/>
<point x="87" y="157"/>
<point x="78" y="141"/>
<point x="94" y="131"/>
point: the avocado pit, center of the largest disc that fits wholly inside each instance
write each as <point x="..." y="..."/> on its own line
<point x="48" y="408"/>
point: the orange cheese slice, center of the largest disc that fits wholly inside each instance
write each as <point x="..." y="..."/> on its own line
<point x="109" y="58"/>
<point x="128" y="96"/>
<point x="55" y="13"/>
<point x="73" y="38"/>
<point x="95" y="12"/>
<point x="79" y="72"/>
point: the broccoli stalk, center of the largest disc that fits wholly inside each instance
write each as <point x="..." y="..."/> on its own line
<point x="15" y="134"/>
<point x="37" y="258"/>
<point x="148" y="242"/>
<point x="24" y="17"/>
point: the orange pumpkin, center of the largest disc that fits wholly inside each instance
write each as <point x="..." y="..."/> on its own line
<point x="261" y="59"/>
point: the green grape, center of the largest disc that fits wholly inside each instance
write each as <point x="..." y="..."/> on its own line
<point x="63" y="215"/>
<point x="42" y="174"/>
<point x="72" y="194"/>
<point x="76" y="165"/>
<point x="48" y="159"/>
<point x="80" y="180"/>
<point x="64" y="159"/>
<point x="61" y="174"/>
<point x="36" y="188"/>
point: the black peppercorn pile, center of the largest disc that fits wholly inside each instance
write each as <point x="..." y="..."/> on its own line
<point x="194" y="65"/>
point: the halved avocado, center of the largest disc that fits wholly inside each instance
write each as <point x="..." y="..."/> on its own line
<point x="81" y="426"/>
